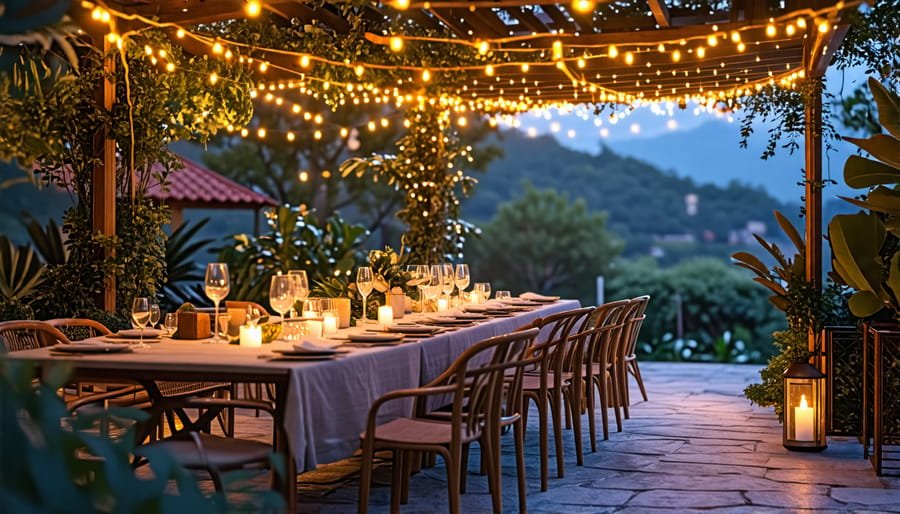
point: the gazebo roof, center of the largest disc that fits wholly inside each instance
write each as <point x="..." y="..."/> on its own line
<point x="197" y="187"/>
<point x="539" y="53"/>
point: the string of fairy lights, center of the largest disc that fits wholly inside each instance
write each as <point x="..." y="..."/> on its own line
<point x="692" y="72"/>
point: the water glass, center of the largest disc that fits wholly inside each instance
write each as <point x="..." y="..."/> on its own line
<point x="482" y="291"/>
<point x="502" y="295"/>
<point x="171" y="323"/>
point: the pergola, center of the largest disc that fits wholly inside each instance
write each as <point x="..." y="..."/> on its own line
<point x="533" y="55"/>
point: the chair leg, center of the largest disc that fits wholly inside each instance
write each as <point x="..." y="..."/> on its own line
<point x="615" y="404"/>
<point x="397" y="479"/>
<point x="544" y="440"/>
<point x="556" y="408"/>
<point x="576" y="423"/>
<point x="636" y="372"/>
<point x="453" y="474"/>
<point x="622" y="398"/>
<point x="519" y="429"/>
<point x="365" y="475"/>
<point x="464" y="467"/>
<point x="592" y="414"/>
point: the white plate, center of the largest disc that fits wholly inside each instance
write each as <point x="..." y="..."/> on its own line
<point x="374" y="337"/>
<point x="296" y="352"/>
<point x="91" y="347"/>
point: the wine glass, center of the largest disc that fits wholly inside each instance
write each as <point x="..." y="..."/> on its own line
<point x="301" y="287"/>
<point x="462" y="277"/>
<point x="171" y="323"/>
<point x="482" y="290"/>
<point x="281" y="295"/>
<point x="434" y="285"/>
<point x="365" y="281"/>
<point x="448" y="283"/>
<point x="155" y="314"/>
<point x="140" y="314"/>
<point x="217" y="285"/>
<point x="423" y="271"/>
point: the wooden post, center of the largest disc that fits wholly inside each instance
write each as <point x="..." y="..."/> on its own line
<point x="103" y="192"/>
<point x="814" y="198"/>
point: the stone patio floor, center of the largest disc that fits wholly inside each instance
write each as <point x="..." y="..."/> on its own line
<point x="696" y="446"/>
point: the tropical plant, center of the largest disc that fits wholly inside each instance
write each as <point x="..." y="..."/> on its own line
<point x="807" y="310"/>
<point x="43" y="469"/>
<point x="866" y="245"/>
<point x="183" y="276"/>
<point x="296" y="241"/>
<point x="21" y="271"/>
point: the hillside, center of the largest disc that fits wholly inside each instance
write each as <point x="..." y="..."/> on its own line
<point x="643" y="203"/>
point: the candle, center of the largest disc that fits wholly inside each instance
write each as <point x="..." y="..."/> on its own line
<point x="803" y="421"/>
<point x="442" y="304"/>
<point x="314" y="328"/>
<point x="385" y="316"/>
<point x="329" y="323"/>
<point x="310" y="314"/>
<point x="251" y="336"/>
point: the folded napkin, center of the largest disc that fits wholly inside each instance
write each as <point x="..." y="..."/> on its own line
<point x="315" y="344"/>
<point x="538" y="297"/>
<point x="452" y="312"/>
<point x="494" y="304"/>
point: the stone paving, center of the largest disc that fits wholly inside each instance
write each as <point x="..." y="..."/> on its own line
<point x="697" y="446"/>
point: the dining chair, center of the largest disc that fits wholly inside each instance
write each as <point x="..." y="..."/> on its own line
<point x="545" y="384"/>
<point x="601" y="337"/>
<point x="83" y="328"/>
<point x="626" y="360"/>
<point x="477" y="383"/>
<point x="19" y="335"/>
<point x="194" y="448"/>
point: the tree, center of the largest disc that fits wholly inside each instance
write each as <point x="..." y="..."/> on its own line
<point x="544" y="242"/>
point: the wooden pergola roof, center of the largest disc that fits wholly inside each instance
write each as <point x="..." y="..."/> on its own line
<point x="539" y="53"/>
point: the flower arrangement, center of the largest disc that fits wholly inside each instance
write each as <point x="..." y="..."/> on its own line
<point x="387" y="269"/>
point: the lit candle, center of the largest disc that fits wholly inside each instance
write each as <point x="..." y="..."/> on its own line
<point x="803" y="421"/>
<point x="314" y="328"/>
<point x="251" y="336"/>
<point x="442" y="304"/>
<point x="329" y="323"/>
<point x="310" y="314"/>
<point x="385" y="316"/>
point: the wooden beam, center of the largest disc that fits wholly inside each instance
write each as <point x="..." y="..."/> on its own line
<point x="560" y="20"/>
<point x="660" y="12"/>
<point x="822" y="49"/>
<point x="527" y="18"/>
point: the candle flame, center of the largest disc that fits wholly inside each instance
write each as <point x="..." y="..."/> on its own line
<point x="803" y="404"/>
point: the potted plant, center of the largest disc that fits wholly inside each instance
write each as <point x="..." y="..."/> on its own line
<point x="866" y="246"/>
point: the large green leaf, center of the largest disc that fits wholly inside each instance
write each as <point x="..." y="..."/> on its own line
<point x="893" y="279"/>
<point x="881" y="199"/>
<point x="864" y="304"/>
<point x="856" y="241"/>
<point x="862" y="173"/>
<point x="883" y="147"/>
<point x="888" y="107"/>
<point x="20" y="270"/>
<point x="751" y="262"/>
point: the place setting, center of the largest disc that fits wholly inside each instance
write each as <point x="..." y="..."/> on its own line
<point x="92" y="346"/>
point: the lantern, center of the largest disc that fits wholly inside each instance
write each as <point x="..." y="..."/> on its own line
<point x="804" y="408"/>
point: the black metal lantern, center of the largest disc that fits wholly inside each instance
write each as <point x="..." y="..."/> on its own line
<point x="804" y="408"/>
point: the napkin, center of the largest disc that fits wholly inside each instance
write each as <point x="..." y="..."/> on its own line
<point x="539" y="297"/>
<point x="315" y="344"/>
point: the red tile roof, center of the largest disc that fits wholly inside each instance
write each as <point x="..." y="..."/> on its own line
<point x="197" y="187"/>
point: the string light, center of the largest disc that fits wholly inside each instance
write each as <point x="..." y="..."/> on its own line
<point x="252" y="8"/>
<point x="396" y="44"/>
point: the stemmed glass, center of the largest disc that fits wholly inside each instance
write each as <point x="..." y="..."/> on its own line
<point x="448" y="283"/>
<point x="217" y="285"/>
<point x="281" y="295"/>
<point x="140" y="314"/>
<point x="483" y="290"/>
<point x="423" y="271"/>
<point x="434" y="285"/>
<point x="301" y="287"/>
<point x="365" y="281"/>
<point x="155" y="314"/>
<point x="462" y="278"/>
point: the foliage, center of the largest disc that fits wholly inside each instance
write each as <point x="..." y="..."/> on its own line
<point x="873" y="41"/>
<point x="51" y="124"/>
<point x="182" y="274"/>
<point x="42" y="446"/>
<point x="866" y="246"/>
<point x="21" y="271"/>
<point x="296" y="240"/>
<point x="47" y="241"/>
<point x="388" y="273"/>
<point x="723" y="315"/>
<point x="388" y="268"/>
<point x="544" y="242"/>
<point x="423" y="171"/>
<point x="15" y="309"/>
<point x="792" y="346"/>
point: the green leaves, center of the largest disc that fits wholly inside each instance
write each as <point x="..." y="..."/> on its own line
<point x="20" y="270"/>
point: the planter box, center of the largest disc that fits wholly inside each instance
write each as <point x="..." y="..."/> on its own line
<point x="881" y="398"/>
<point x="843" y="390"/>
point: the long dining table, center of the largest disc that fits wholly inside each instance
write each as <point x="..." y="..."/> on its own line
<point x="322" y="404"/>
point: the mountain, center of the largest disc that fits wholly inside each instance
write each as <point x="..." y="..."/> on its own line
<point x="644" y="203"/>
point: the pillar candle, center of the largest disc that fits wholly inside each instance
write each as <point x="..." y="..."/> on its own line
<point x="442" y="304"/>
<point x="329" y="323"/>
<point x="310" y="314"/>
<point x="385" y="316"/>
<point x="251" y="336"/>
<point x="314" y="328"/>
<point x="804" y="421"/>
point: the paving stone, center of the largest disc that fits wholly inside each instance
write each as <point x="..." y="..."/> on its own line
<point x="869" y="497"/>
<point x="678" y="499"/>
<point x="694" y="468"/>
<point x="792" y="500"/>
<point x="823" y="476"/>
<point x="706" y="483"/>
